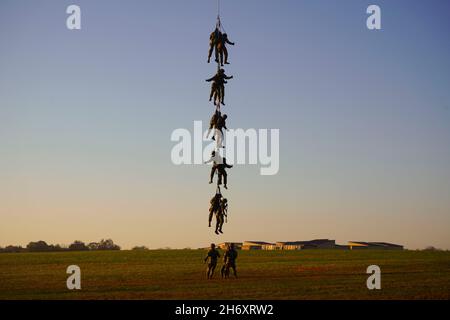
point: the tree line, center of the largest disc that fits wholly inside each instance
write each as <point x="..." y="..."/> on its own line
<point x="42" y="246"/>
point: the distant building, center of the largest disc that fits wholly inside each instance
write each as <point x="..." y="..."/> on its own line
<point x="270" y="246"/>
<point x="290" y="245"/>
<point x="223" y="245"/>
<point x="309" y="244"/>
<point x="302" y="245"/>
<point x="256" y="245"/>
<point x="356" y="245"/>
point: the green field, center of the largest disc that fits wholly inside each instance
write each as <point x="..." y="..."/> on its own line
<point x="179" y="274"/>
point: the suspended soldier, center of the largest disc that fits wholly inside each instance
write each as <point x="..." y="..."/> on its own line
<point x="216" y="159"/>
<point x="223" y="173"/>
<point x="214" y="207"/>
<point x="213" y="122"/>
<point x="224" y="207"/>
<point x="222" y="48"/>
<point x="219" y="220"/>
<point x="219" y="165"/>
<point x="220" y="125"/>
<point x="218" y="86"/>
<point x="213" y="255"/>
<point x="215" y="38"/>
<point x="222" y="214"/>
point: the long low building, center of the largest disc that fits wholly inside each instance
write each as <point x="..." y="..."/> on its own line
<point x="302" y="245"/>
<point x="356" y="245"/>
<point x="257" y="245"/>
<point x="289" y="245"/>
<point x="310" y="244"/>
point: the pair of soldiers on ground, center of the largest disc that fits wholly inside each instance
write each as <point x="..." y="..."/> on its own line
<point x="217" y="42"/>
<point x="219" y="207"/>
<point x="219" y="165"/>
<point x="229" y="261"/>
<point x="218" y="123"/>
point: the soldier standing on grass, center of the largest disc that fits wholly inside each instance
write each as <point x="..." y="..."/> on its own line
<point x="213" y="255"/>
<point x="229" y="259"/>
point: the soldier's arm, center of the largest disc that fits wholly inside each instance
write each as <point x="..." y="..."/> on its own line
<point x="226" y="77"/>
<point x="229" y="42"/>
<point x="210" y="79"/>
<point x="210" y="160"/>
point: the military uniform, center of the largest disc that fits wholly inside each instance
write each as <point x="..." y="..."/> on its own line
<point x="214" y="40"/>
<point x="222" y="172"/>
<point x="221" y="214"/>
<point x="218" y="86"/>
<point x="224" y="206"/>
<point x="213" y="255"/>
<point x="219" y="221"/>
<point x="215" y="206"/>
<point x="229" y="259"/>
<point x="215" y="159"/>
<point x="221" y="123"/>
<point x="213" y="122"/>
<point x="222" y="49"/>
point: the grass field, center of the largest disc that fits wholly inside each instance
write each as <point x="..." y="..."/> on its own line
<point x="179" y="274"/>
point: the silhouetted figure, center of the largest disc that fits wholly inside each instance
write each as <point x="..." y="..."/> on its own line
<point x="214" y="207"/>
<point x="215" y="159"/>
<point x="221" y="214"/>
<point x="218" y="86"/>
<point x="224" y="207"/>
<point x="220" y="125"/>
<point x="219" y="221"/>
<point x="213" y="255"/>
<point x="222" y="48"/>
<point x="214" y="41"/>
<point x="219" y="165"/>
<point x="213" y="122"/>
<point x="223" y="173"/>
<point x="229" y="259"/>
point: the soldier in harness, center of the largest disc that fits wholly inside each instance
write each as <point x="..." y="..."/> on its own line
<point x="214" y="207"/>
<point x="214" y="41"/>
<point x="218" y="86"/>
<point x="221" y="215"/>
<point x="221" y="47"/>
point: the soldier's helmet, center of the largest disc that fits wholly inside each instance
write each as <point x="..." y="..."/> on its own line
<point x="213" y="245"/>
<point x="225" y="200"/>
<point x="225" y="116"/>
<point x="222" y="70"/>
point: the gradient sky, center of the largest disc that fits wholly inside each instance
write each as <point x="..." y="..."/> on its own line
<point x="86" y="118"/>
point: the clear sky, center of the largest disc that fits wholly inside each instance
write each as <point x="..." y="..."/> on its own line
<point x="86" y="118"/>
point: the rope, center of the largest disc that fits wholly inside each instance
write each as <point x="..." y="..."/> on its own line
<point x="219" y="22"/>
<point x="218" y="9"/>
